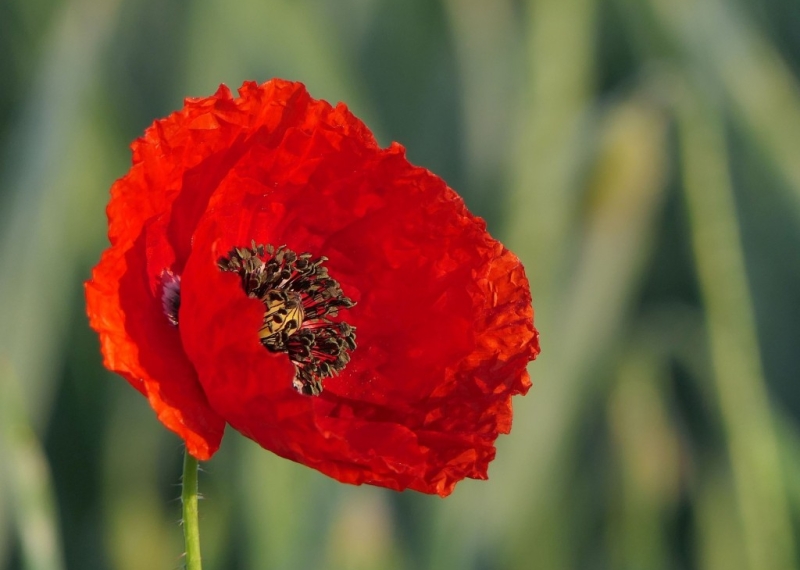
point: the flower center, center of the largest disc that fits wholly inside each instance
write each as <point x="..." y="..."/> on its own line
<point x="299" y="298"/>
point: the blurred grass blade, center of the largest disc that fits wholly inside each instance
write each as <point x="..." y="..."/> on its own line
<point x="789" y="442"/>
<point x="256" y="40"/>
<point x="361" y="534"/>
<point x="36" y="258"/>
<point x="553" y="137"/>
<point x="5" y="513"/>
<point x="279" y="509"/>
<point x="486" y="40"/>
<point x="28" y="484"/>
<point x="549" y="119"/>
<point x="626" y="190"/>
<point x="647" y="445"/>
<point x="141" y="528"/>
<point x="724" y="45"/>
<point x="719" y="529"/>
<point x="745" y="408"/>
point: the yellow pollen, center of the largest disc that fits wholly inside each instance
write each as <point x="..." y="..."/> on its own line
<point x="284" y="314"/>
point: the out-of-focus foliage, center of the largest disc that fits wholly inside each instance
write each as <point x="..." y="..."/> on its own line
<point x="641" y="156"/>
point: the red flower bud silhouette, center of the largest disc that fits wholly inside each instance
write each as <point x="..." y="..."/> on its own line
<point x="272" y="268"/>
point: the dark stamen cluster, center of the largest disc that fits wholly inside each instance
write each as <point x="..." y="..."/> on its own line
<point x="299" y="297"/>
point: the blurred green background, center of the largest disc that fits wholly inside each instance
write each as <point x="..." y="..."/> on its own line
<point x="642" y="157"/>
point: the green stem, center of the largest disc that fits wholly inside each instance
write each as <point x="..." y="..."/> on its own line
<point x="745" y="406"/>
<point x="191" y="527"/>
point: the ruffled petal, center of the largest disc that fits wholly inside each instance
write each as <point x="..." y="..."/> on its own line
<point x="138" y="343"/>
<point x="124" y="293"/>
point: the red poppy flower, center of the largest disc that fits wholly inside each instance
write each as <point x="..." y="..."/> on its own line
<point x="272" y="268"/>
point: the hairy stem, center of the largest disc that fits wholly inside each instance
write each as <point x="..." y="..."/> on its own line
<point x="191" y="527"/>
